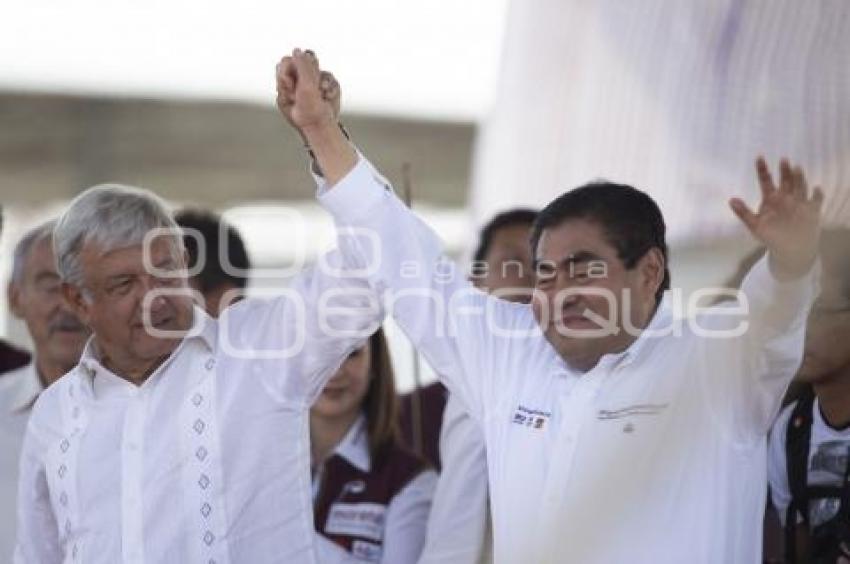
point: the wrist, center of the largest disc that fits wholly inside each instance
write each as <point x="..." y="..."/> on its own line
<point x="786" y="268"/>
<point x="314" y="164"/>
<point x="330" y="151"/>
<point x="320" y="133"/>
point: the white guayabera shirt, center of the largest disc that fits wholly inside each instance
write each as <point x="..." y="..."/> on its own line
<point x="206" y="462"/>
<point x="656" y="455"/>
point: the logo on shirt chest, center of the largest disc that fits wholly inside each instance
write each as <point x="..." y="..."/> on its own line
<point x="629" y="413"/>
<point x="364" y="520"/>
<point x="532" y="418"/>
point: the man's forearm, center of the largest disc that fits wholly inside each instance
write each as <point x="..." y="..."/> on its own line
<point x="334" y="154"/>
<point x="777" y="305"/>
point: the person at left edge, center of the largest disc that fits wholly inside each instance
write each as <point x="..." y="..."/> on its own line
<point x="11" y="357"/>
<point x="58" y="338"/>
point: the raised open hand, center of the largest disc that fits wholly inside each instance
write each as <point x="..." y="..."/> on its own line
<point x="787" y="221"/>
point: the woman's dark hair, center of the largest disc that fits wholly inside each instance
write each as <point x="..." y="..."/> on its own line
<point x="632" y="221"/>
<point x="380" y="404"/>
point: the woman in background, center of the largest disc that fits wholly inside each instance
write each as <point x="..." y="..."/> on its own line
<point x="371" y="496"/>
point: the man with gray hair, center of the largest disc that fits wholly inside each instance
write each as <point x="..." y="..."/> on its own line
<point x="58" y="338"/>
<point x="178" y="437"/>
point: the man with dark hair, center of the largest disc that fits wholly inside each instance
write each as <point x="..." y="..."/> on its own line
<point x="217" y="257"/>
<point x="608" y="229"/>
<point x="633" y="223"/>
<point x="502" y="261"/>
<point x="809" y="452"/>
<point x="517" y="218"/>
<point x="11" y="357"/>
<point x="615" y="430"/>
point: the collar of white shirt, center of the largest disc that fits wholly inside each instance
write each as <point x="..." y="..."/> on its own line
<point x="102" y="381"/>
<point x="354" y="447"/>
<point x="652" y="332"/>
<point x="22" y="388"/>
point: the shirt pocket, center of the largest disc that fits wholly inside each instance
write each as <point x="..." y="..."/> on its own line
<point x="638" y="434"/>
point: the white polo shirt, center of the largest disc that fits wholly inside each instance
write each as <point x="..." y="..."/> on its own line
<point x="656" y="455"/>
<point x="208" y="461"/>
<point x="19" y="389"/>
